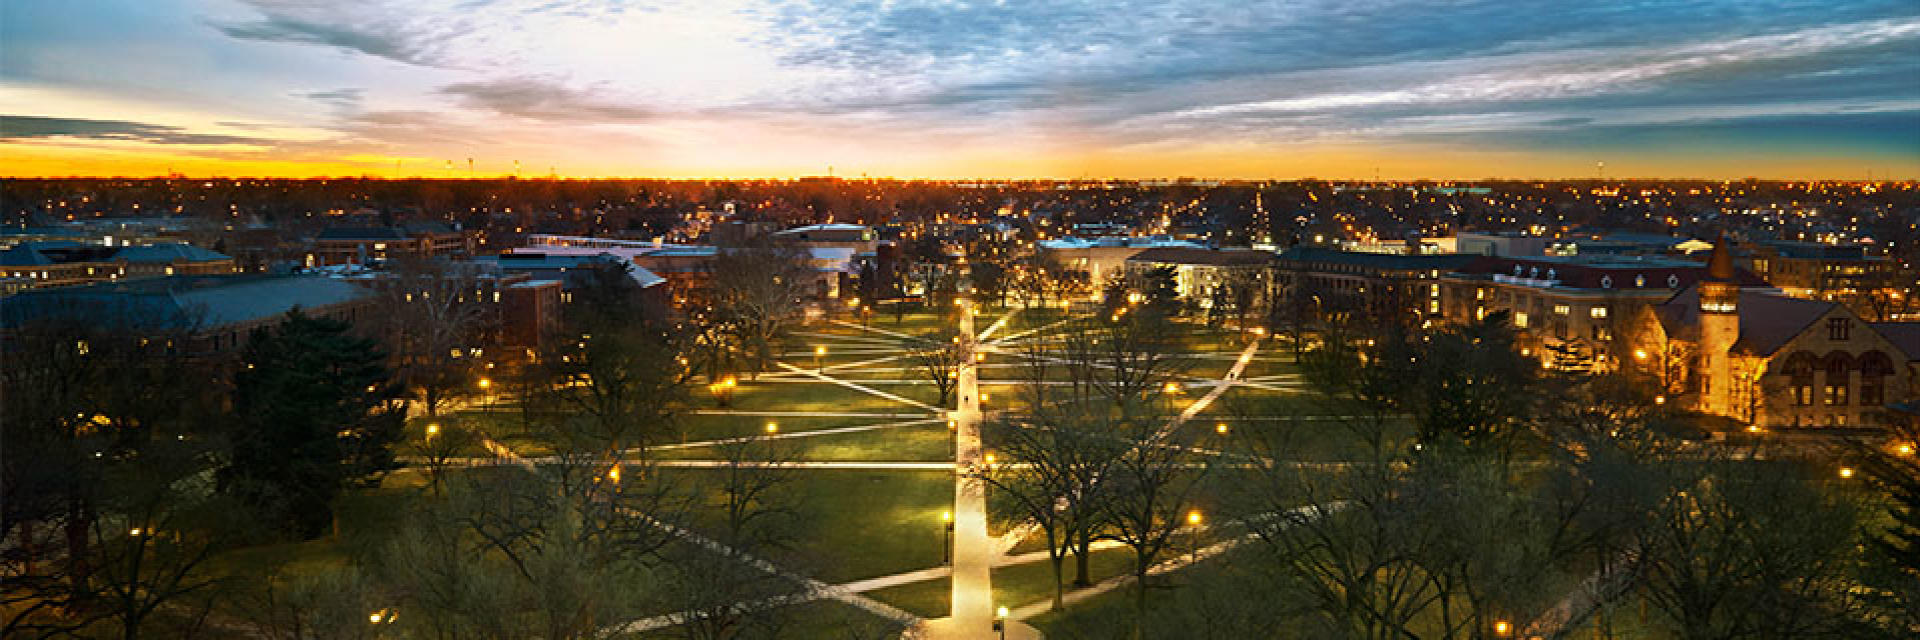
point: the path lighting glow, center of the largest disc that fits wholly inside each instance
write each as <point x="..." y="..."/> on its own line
<point x="990" y="458"/>
<point x="1193" y="518"/>
<point x="820" y="350"/>
<point x="433" y="429"/>
<point x="1846" y="472"/>
<point x="614" y="473"/>
<point x="486" y="383"/>
<point x="1220" y="428"/>
<point x="1502" y="628"/>
<point x="773" y="427"/>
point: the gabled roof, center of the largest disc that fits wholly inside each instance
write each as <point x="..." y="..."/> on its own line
<point x="1905" y="335"/>
<point x="1767" y="321"/>
<point x="29" y="254"/>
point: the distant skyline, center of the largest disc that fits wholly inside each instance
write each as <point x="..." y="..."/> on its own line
<point x="1258" y="89"/>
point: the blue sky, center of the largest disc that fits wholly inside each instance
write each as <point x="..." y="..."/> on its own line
<point x="1282" y="89"/>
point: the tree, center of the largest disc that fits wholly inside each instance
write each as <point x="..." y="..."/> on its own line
<point x="1055" y="463"/>
<point x="96" y="396"/>
<point x="1150" y="488"/>
<point x="722" y="591"/>
<point x="315" y="410"/>
<point x="434" y="316"/>
<point x="1753" y="548"/>
<point x="758" y="291"/>
<point x="939" y="356"/>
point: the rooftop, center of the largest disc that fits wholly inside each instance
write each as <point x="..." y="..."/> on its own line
<point x="181" y="301"/>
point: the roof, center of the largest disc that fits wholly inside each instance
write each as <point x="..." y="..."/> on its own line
<point x="1905" y="335"/>
<point x="1115" y="242"/>
<point x="825" y="227"/>
<point x="1767" y="321"/>
<point x="168" y="252"/>
<point x="28" y="254"/>
<point x="1605" y="271"/>
<point x="1389" y="261"/>
<point x="1211" y="257"/>
<point x="1720" y="262"/>
<point x="210" y="301"/>
<point x="361" y="233"/>
<point x="560" y="262"/>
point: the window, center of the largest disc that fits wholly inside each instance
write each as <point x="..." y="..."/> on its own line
<point x="1838" y="328"/>
<point x="1479" y="294"/>
<point x="1799" y="369"/>
<point x="1874" y="369"/>
<point x="1520" y="319"/>
<point x="1561" y="309"/>
<point x="1838" y="364"/>
<point x="1433" y="306"/>
<point x="1597" y="312"/>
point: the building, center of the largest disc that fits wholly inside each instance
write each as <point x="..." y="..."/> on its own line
<point x="219" y="311"/>
<point x="1506" y="243"/>
<point x="859" y="238"/>
<point x="1209" y="277"/>
<point x="1585" y="303"/>
<point x="1099" y="258"/>
<point x="363" y="245"/>
<point x="31" y="265"/>
<point x="1351" y="284"/>
<point x="1819" y="271"/>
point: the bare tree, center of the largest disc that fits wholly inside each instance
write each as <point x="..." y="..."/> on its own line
<point x="939" y="356"/>
<point x="434" y="318"/>
<point x="759" y="291"/>
<point x="721" y="591"/>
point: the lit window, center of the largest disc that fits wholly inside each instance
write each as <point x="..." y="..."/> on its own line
<point x="1561" y="309"/>
<point x="1433" y="306"/>
<point x="1598" y="312"/>
<point x="1520" y="319"/>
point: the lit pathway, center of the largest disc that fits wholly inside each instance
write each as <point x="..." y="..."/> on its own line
<point x="974" y="551"/>
<point x="857" y="387"/>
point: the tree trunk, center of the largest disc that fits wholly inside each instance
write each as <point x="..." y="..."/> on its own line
<point x="1082" y="577"/>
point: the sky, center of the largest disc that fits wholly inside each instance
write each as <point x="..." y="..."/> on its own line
<point x="1282" y="89"/>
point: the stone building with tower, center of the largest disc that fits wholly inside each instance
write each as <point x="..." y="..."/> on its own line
<point x="1776" y="362"/>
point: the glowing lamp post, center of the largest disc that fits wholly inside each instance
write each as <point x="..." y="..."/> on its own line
<point x="946" y="550"/>
<point x="1000" y="622"/>
<point x="819" y="355"/>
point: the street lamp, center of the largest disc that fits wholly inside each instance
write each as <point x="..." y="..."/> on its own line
<point x="819" y="352"/>
<point x="1220" y="428"/>
<point x="1502" y="628"/>
<point x="773" y="427"/>
<point x="1000" y="622"/>
<point x="433" y="429"/>
<point x="946" y="550"/>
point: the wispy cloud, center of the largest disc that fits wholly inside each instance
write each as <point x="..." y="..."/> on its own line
<point x="15" y="127"/>
<point x="542" y="99"/>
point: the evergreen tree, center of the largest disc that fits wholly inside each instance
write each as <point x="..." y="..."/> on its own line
<point x="315" y="410"/>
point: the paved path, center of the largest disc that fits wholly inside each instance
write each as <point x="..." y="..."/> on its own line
<point x="972" y="607"/>
<point x="858" y="387"/>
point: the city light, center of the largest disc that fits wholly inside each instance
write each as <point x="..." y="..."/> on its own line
<point x="773" y="427"/>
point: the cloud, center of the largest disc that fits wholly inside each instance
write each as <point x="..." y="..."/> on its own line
<point x="540" y="99"/>
<point x="13" y="127"/>
<point x="395" y="46"/>
<point x="345" y="99"/>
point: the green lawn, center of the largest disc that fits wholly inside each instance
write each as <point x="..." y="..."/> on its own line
<point x="860" y="524"/>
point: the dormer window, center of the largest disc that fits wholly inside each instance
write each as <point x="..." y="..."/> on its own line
<point x="1839" y="328"/>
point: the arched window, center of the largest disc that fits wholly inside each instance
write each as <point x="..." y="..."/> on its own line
<point x="1875" y="366"/>
<point x="1799" y="368"/>
<point x="1838" y="365"/>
